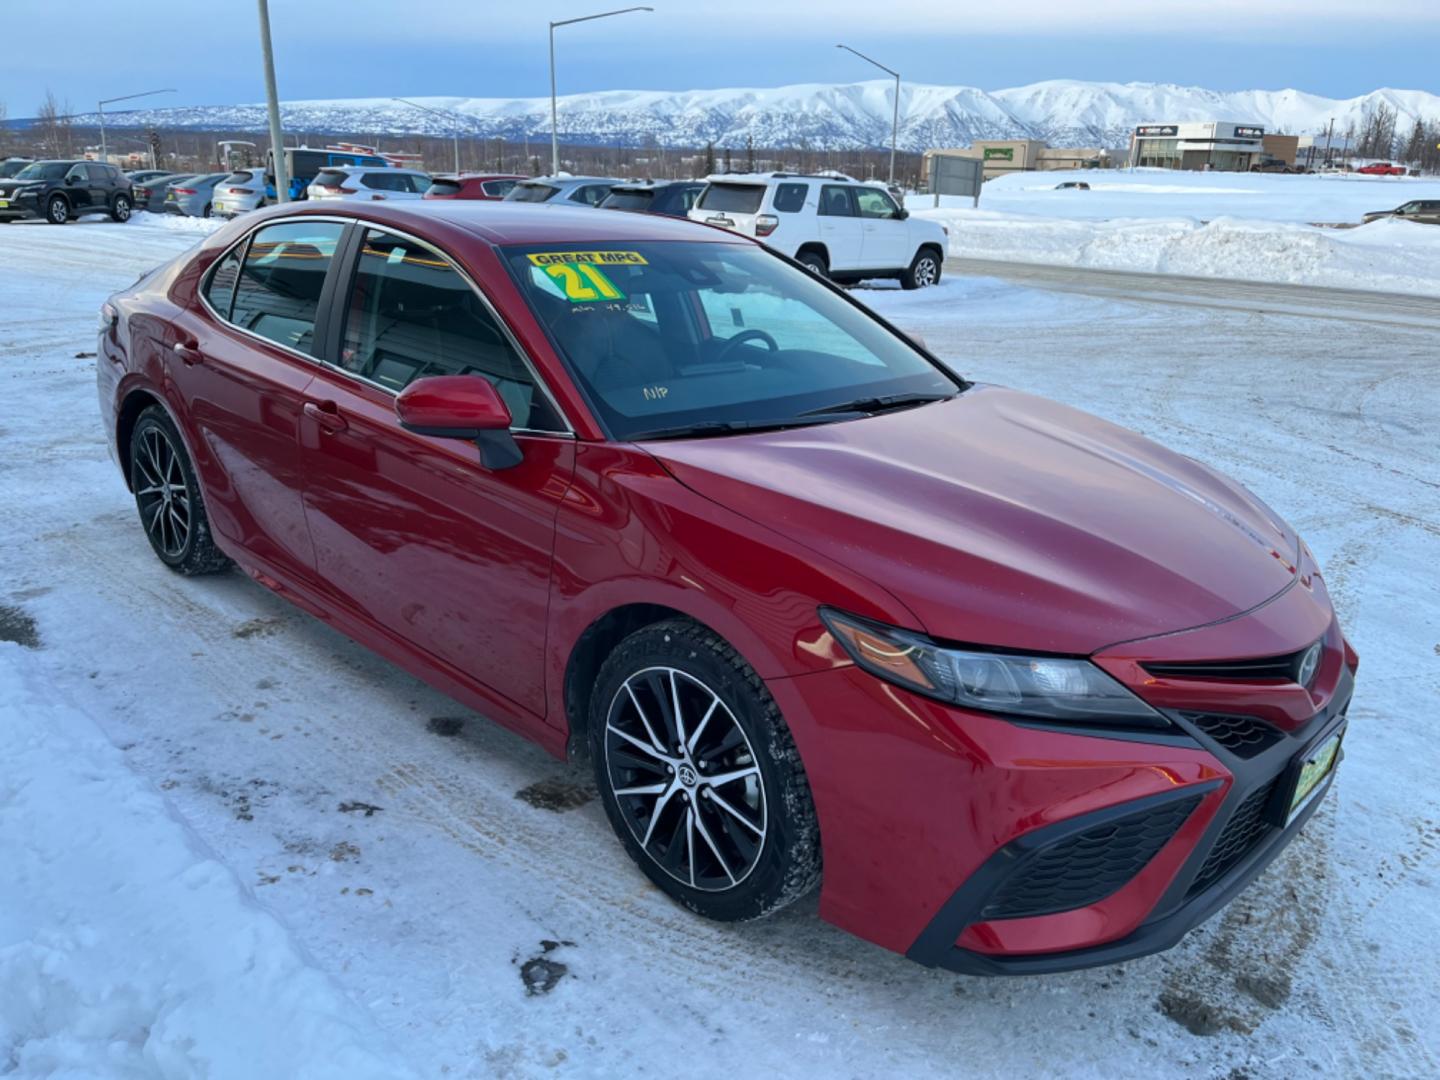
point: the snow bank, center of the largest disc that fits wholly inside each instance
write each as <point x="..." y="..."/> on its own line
<point x="1387" y="256"/>
<point x="1154" y="193"/>
<point x="126" y="950"/>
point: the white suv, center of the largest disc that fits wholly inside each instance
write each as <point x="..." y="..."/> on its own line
<point x="838" y="227"/>
<point x="368" y="182"/>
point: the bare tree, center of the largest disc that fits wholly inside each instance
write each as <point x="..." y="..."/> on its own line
<point x="54" y="120"/>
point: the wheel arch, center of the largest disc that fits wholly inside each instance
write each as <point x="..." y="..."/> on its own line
<point x="815" y="247"/>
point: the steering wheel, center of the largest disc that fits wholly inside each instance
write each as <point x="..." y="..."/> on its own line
<point x="741" y="338"/>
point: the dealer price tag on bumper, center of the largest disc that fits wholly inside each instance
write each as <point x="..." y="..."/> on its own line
<point x="1313" y="770"/>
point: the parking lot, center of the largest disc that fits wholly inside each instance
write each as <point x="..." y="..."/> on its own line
<point x="472" y="901"/>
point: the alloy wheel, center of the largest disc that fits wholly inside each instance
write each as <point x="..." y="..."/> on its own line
<point x="685" y="778"/>
<point x="59" y="211"/>
<point x="162" y="493"/>
<point x="926" y="271"/>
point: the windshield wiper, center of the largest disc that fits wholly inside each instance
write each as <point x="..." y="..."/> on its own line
<point x="730" y="427"/>
<point x="888" y="403"/>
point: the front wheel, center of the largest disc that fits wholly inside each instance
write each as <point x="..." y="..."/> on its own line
<point x="923" y="272"/>
<point x="699" y="775"/>
<point x="120" y="211"/>
<point x="57" y="211"/>
<point x="167" y="495"/>
<point x="814" y="262"/>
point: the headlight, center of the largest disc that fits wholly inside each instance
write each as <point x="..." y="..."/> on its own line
<point x="1047" y="687"/>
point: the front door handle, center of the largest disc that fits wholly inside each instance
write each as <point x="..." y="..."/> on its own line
<point x="326" y="415"/>
<point x="188" y="353"/>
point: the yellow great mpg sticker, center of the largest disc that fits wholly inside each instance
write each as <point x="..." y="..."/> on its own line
<point x="578" y="273"/>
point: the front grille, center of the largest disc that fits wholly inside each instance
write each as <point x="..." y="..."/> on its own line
<point x="1244" y="736"/>
<point x="1246" y="828"/>
<point x="1264" y="667"/>
<point x="1087" y="867"/>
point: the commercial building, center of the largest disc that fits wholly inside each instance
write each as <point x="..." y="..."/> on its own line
<point x="1003" y="156"/>
<point x="1221" y="145"/>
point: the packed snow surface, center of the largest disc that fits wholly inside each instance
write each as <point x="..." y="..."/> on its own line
<point x="1065" y="112"/>
<point x="234" y="843"/>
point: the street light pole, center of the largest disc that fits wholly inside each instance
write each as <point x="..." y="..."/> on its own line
<point x="104" y="149"/>
<point x="435" y="112"/>
<point x="272" y="107"/>
<point x="554" y="108"/>
<point x="895" y="120"/>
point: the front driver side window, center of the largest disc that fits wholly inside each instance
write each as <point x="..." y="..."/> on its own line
<point x="875" y="203"/>
<point x="412" y="314"/>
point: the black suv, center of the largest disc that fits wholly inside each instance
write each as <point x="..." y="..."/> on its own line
<point x="61" y="190"/>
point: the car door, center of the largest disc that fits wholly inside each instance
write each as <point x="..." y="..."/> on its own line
<point x="1429" y="213"/>
<point x="77" y="187"/>
<point x="885" y="236"/>
<point x="410" y="530"/>
<point x="242" y="364"/>
<point x="840" y="227"/>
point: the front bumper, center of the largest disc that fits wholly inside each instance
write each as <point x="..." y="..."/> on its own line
<point x="21" y="208"/>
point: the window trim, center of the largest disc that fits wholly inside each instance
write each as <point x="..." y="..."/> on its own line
<point x="339" y="311"/>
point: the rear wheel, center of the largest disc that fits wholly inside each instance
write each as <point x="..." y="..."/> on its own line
<point x="120" y="210"/>
<point x="815" y="262"/>
<point x="167" y="495"/>
<point x="699" y="774"/>
<point x="57" y="211"/>
<point x="923" y="272"/>
<point x="208" y="210"/>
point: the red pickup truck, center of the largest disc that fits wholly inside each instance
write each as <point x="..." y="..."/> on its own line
<point x="1381" y="168"/>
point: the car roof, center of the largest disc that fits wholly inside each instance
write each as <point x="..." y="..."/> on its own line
<point x="653" y="185"/>
<point x="505" y="223"/>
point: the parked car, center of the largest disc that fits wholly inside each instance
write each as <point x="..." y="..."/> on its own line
<point x="560" y="190"/>
<point x="671" y="197"/>
<point x="193" y="197"/>
<point x="60" y="190"/>
<point x="1381" y="168"/>
<point x="1423" y="211"/>
<point x="368" y="183"/>
<point x="142" y="176"/>
<point x="150" y="195"/>
<point x="485" y="186"/>
<point x="835" y="226"/>
<point x="241" y="191"/>
<point x="1072" y="185"/>
<point x="10" y="166"/>
<point x="816" y="609"/>
<point x="303" y="164"/>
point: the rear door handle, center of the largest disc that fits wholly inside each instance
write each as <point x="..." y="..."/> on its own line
<point x="326" y="415"/>
<point x="188" y="353"/>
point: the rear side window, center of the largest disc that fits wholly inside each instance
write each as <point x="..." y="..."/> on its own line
<point x="790" y="198"/>
<point x="835" y="201"/>
<point x="732" y="198"/>
<point x="411" y="314"/>
<point x="590" y="194"/>
<point x="278" y="291"/>
<point x="384" y="181"/>
<point x="220" y="289"/>
<point x="497" y="189"/>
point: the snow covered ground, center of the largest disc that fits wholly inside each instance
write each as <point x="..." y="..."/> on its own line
<point x="232" y="837"/>
<point x="1244" y="226"/>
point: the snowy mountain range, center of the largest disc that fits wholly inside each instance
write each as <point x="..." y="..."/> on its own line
<point x="815" y="116"/>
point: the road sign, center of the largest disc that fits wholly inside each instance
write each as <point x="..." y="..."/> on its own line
<point x="952" y="175"/>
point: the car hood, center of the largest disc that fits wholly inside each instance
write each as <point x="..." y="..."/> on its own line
<point x="1004" y="519"/>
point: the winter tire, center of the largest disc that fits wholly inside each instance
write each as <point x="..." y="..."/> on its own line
<point x="167" y="496"/>
<point x="923" y="272"/>
<point x="699" y="774"/>
<point x="120" y="211"/>
<point x="57" y="211"/>
<point x="814" y="262"/>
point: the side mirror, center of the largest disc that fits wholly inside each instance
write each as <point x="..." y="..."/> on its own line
<point x="902" y="214"/>
<point x="72" y="179"/>
<point x="461" y="407"/>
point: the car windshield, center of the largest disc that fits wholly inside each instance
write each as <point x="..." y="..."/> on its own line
<point x="675" y="338"/>
<point x="531" y="193"/>
<point x="44" y="170"/>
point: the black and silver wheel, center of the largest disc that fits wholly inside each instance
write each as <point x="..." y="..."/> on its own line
<point x="120" y="210"/>
<point x="57" y="211"/>
<point x="923" y="272"/>
<point x="168" y="497"/>
<point x="699" y="775"/>
<point x="814" y="262"/>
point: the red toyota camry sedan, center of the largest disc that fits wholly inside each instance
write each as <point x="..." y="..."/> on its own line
<point x="1017" y="689"/>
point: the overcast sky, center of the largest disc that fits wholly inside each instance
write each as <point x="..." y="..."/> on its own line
<point x="497" y="48"/>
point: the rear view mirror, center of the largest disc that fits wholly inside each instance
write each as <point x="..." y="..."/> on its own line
<point x="461" y="407"/>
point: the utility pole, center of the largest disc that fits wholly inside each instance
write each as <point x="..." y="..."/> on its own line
<point x="554" y="107"/>
<point x="435" y="112"/>
<point x="895" y="120"/>
<point x="104" y="151"/>
<point x="1329" y="134"/>
<point x="272" y="107"/>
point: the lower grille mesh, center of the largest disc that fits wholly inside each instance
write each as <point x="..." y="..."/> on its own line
<point x="1246" y="828"/>
<point x="1085" y="868"/>
<point x="1244" y="736"/>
